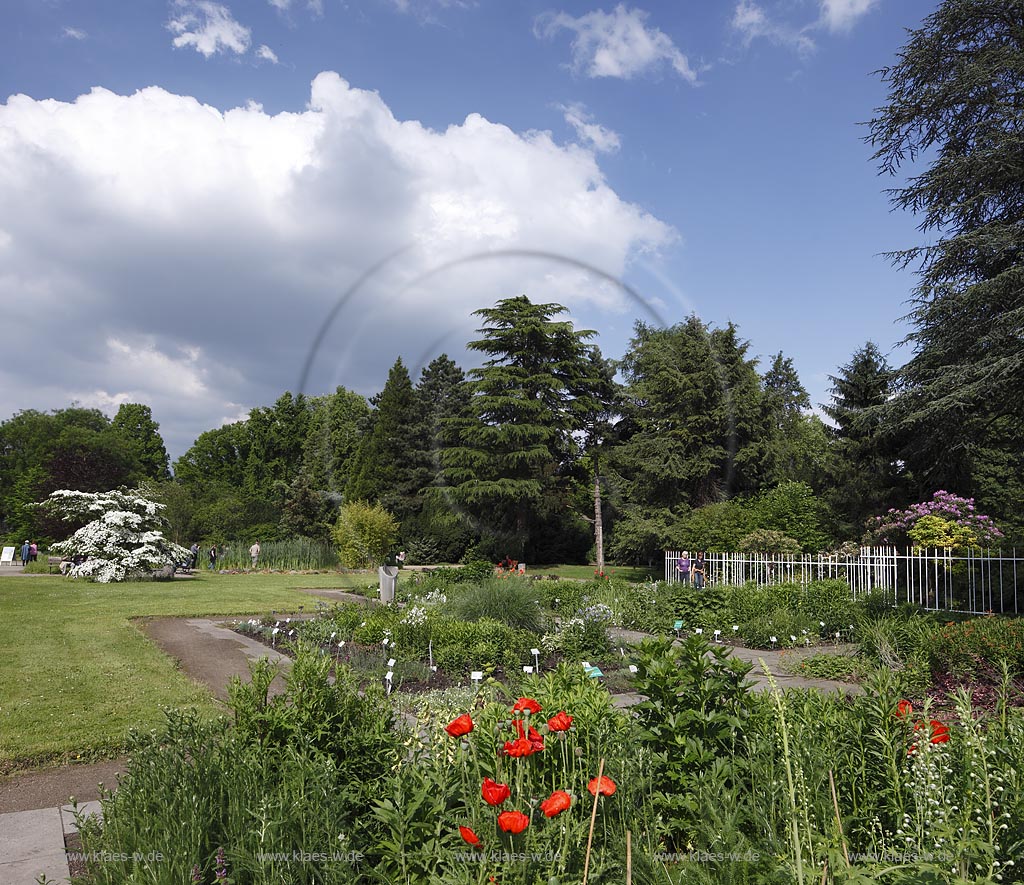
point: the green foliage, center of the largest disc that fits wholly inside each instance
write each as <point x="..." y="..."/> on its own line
<point x="510" y="445"/>
<point x="768" y="541"/>
<point x="584" y="635"/>
<point x="792" y="509"/>
<point x="695" y="430"/>
<point x="839" y="668"/>
<point x="364" y="534"/>
<point x="134" y="424"/>
<point x="974" y="648"/>
<point x="718" y="526"/>
<point x="388" y="459"/>
<point x="863" y="473"/>
<point x="783" y="624"/>
<point x="300" y="554"/>
<point x="934" y="531"/>
<point x="461" y="646"/>
<point x="510" y="600"/>
<point x="73" y="448"/>
<point x="952" y="107"/>
<point x="692" y="722"/>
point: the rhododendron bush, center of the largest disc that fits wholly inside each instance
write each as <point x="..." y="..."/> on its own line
<point x="123" y="540"/>
<point x="947" y="520"/>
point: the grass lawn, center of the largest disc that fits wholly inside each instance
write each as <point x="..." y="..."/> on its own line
<point x="586" y="572"/>
<point x="77" y="674"/>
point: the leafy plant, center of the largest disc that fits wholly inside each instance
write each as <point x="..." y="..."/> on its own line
<point x="364" y="534"/>
<point x="692" y="720"/>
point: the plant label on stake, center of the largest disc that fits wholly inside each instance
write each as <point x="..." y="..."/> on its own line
<point x="476" y="675"/>
<point x="536" y="658"/>
<point x="387" y="680"/>
<point x="391" y="663"/>
<point x="527" y="668"/>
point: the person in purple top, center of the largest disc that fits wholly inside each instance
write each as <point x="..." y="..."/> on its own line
<point x="683" y="568"/>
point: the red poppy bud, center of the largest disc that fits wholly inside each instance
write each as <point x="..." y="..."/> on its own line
<point x="463" y="725"/>
<point x="561" y="721"/>
<point x="469" y="836"/>
<point x="513" y="821"/>
<point x="603" y="785"/>
<point x="904" y="709"/>
<point x="493" y="792"/>
<point x="556" y="803"/>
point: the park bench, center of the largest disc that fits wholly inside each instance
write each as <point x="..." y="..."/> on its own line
<point x="54" y="563"/>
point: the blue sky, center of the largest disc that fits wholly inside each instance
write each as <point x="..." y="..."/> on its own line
<point x="190" y="185"/>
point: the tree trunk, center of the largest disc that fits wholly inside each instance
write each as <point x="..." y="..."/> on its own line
<point x="598" y="525"/>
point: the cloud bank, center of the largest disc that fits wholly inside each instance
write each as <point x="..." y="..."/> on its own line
<point x="185" y="256"/>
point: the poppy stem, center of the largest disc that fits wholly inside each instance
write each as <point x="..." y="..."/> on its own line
<point x="839" y="820"/>
<point x="593" y="820"/>
<point x="629" y="858"/>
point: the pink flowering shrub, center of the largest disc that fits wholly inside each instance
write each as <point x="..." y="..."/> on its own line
<point x="898" y="526"/>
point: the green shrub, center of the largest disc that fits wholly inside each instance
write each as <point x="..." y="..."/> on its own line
<point x="830" y="602"/>
<point x="584" y="635"/>
<point x="768" y="541"/>
<point x="478" y="645"/>
<point x="510" y="600"/>
<point x="783" y="624"/>
<point x="973" y="648"/>
<point x="365" y="534"/>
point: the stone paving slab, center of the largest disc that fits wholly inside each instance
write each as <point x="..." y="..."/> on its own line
<point x="32" y="844"/>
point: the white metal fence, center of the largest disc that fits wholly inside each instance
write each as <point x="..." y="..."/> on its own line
<point x="978" y="581"/>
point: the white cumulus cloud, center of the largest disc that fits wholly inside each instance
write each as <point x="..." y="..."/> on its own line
<point x="752" y="22"/>
<point x="841" y="15"/>
<point x="190" y="254"/>
<point x="616" y="44"/>
<point x="208" y="27"/>
<point x="597" y="136"/>
<point x="267" y="54"/>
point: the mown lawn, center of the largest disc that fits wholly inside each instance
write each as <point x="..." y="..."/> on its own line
<point x="586" y="572"/>
<point x="77" y="675"/>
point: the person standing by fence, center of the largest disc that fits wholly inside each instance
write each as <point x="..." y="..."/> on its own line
<point x="700" y="572"/>
<point x="683" y="568"/>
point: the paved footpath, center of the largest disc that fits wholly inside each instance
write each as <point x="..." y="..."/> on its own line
<point x="35" y="817"/>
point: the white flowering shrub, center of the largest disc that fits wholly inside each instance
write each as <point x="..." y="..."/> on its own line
<point x="123" y="540"/>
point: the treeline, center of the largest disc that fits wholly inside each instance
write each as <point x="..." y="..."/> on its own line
<point x="683" y="442"/>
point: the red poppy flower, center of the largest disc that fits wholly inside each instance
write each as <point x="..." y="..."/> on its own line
<point x="561" y="721"/>
<point x="603" y="785"/>
<point x="463" y="725"/>
<point x="469" y="836"/>
<point x="526" y="704"/>
<point x="513" y="821"/>
<point x="493" y="792"/>
<point x="535" y="739"/>
<point x="904" y="709"/>
<point x="520" y="747"/>
<point x="556" y="803"/>
<point x="940" y="732"/>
